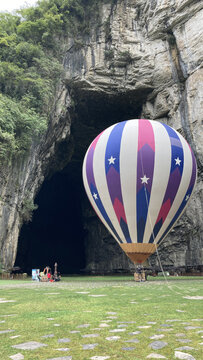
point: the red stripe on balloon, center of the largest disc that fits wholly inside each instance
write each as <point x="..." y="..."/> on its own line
<point x="146" y="134"/>
<point x="119" y="210"/>
<point x="164" y="211"/>
<point x="94" y="142"/>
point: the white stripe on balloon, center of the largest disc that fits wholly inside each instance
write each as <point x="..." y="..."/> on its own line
<point x="162" y="166"/>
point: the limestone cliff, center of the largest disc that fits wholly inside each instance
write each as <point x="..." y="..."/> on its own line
<point x="142" y="59"/>
<point x="21" y="179"/>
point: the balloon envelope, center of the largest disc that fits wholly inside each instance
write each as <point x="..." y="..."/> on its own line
<point x="139" y="176"/>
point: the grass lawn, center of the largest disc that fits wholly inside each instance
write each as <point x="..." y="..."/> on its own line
<point x="108" y="307"/>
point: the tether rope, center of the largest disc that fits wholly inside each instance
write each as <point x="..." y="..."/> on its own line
<point x="156" y="247"/>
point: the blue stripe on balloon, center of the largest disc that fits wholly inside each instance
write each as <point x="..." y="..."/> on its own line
<point x="124" y="228"/>
<point x="181" y="208"/>
<point x="143" y="198"/>
<point x="113" y="177"/>
<point x="113" y="146"/>
<point x="176" y="149"/>
<point x="100" y="206"/>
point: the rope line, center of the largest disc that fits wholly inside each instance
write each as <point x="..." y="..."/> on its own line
<point x="156" y="247"/>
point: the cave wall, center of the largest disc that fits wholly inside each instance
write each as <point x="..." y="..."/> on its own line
<point x="143" y="59"/>
<point x="21" y="178"/>
<point x="148" y="54"/>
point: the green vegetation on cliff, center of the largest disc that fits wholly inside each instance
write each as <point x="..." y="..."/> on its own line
<point x="31" y="66"/>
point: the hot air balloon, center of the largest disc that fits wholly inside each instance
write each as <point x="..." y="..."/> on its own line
<point x="139" y="176"/>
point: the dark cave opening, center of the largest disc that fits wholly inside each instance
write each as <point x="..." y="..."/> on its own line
<point x="56" y="232"/>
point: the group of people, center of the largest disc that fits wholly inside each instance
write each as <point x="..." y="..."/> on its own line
<point x="139" y="274"/>
<point x="46" y="275"/>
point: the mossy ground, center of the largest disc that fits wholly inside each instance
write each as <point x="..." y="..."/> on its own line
<point x="75" y="301"/>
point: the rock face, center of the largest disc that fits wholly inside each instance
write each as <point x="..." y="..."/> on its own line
<point x="20" y="180"/>
<point x="143" y="59"/>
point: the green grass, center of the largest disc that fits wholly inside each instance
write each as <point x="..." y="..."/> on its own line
<point x="153" y="301"/>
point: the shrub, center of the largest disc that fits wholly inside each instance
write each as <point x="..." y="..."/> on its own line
<point x="27" y="209"/>
<point x="109" y="54"/>
<point x="19" y="125"/>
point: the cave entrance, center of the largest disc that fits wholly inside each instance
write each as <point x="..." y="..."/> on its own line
<point x="56" y="233"/>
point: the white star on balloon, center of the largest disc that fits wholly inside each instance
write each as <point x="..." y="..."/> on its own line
<point x="144" y="179"/>
<point x="111" y="160"/>
<point x="178" y="161"/>
<point x="187" y="197"/>
<point x="95" y="196"/>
